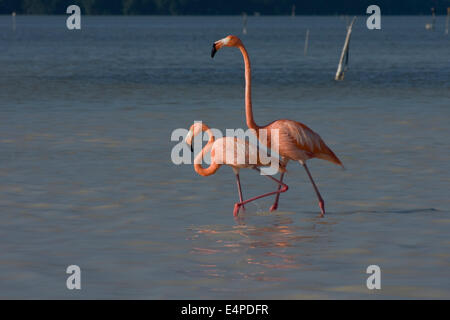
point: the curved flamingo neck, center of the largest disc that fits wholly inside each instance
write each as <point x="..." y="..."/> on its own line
<point x="213" y="167"/>
<point x="248" y="89"/>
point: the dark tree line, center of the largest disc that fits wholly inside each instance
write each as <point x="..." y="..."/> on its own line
<point x="231" y="7"/>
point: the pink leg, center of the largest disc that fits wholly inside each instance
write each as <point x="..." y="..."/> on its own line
<point x="321" y="202"/>
<point x="283" y="188"/>
<point x="236" y="208"/>
<point x="275" y="204"/>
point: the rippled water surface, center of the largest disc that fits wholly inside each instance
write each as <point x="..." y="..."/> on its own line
<point x="86" y="176"/>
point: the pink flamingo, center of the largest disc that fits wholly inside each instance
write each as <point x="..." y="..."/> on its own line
<point x="296" y="141"/>
<point x="242" y="152"/>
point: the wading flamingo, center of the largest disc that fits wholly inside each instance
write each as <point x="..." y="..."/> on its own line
<point x="242" y="152"/>
<point x="296" y="141"/>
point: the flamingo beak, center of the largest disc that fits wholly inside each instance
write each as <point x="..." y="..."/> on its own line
<point x="214" y="50"/>
<point x="188" y="140"/>
<point x="216" y="47"/>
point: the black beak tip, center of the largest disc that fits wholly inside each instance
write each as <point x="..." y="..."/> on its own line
<point x="192" y="149"/>
<point x="213" y="51"/>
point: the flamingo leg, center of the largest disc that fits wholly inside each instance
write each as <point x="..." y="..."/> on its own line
<point x="282" y="188"/>
<point x="241" y="199"/>
<point x="275" y="204"/>
<point x="321" y="202"/>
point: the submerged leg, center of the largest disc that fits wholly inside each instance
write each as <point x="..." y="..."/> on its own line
<point x="321" y="202"/>
<point x="275" y="204"/>
<point x="282" y="188"/>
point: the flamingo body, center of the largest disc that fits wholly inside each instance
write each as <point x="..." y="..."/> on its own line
<point x="298" y="142"/>
<point x="236" y="153"/>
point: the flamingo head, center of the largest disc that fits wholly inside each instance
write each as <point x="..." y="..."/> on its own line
<point x="194" y="130"/>
<point x="230" y="41"/>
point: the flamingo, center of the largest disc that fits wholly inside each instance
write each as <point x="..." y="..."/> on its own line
<point x="242" y="152"/>
<point x="296" y="141"/>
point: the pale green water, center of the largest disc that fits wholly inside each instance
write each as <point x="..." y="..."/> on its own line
<point x="86" y="176"/>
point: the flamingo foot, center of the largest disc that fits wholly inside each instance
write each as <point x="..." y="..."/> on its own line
<point x="322" y="208"/>
<point x="237" y="206"/>
<point x="274" y="207"/>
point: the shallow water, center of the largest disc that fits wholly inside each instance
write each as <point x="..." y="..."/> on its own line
<point x="86" y="176"/>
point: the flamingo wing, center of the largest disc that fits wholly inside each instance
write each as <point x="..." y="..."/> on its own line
<point x="239" y="153"/>
<point x="234" y="152"/>
<point x="298" y="142"/>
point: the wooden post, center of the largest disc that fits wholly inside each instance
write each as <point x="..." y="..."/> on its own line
<point x="13" y="20"/>
<point x="430" y="26"/>
<point x="446" y="20"/>
<point x="433" y="14"/>
<point x="306" y="42"/>
<point x="343" y="61"/>
<point x="244" y="23"/>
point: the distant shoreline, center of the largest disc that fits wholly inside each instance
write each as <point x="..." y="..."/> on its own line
<point x="222" y="15"/>
<point x="229" y="7"/>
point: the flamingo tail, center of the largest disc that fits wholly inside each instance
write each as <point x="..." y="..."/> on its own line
<point x="328" y="155"/>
